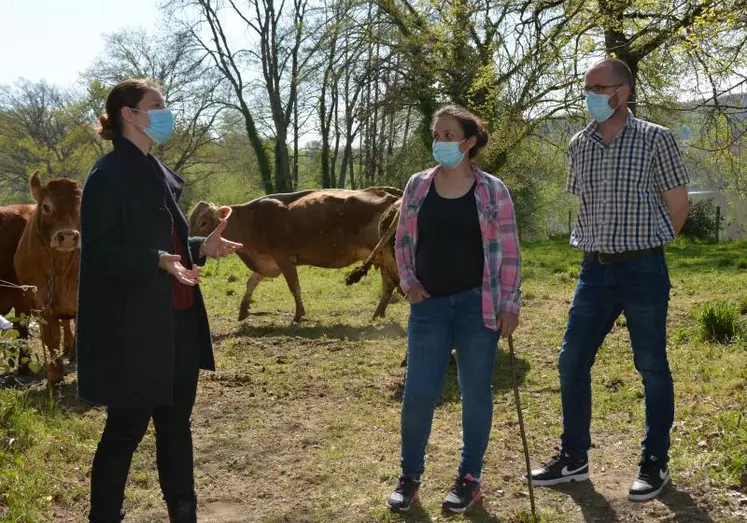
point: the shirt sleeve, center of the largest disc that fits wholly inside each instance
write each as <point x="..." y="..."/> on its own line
<point x="510" y="270"/>
<point x="404" y="243"/>
<point x="572" y="183"/>
<point x="669" y="165"/>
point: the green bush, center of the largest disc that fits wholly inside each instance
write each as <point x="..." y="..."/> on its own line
<point x="718" y="321"/>
<point x="701" y="221"/>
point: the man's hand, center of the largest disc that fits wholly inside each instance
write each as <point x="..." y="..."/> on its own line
<point x="172" y="264"/>
<point x="507" y="323"/>
<point x="416" y="294"/>
<point x="216" y="246"/>
<point x="677" y="205"/>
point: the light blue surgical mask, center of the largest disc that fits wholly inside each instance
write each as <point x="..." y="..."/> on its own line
<point x="447" y="153"/>
<point x="598" y="106"/>
<point x="161" y="124"/>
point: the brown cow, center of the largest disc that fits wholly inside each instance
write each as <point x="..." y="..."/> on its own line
<point x="330" y="228"/>
<point x="13" y="220"/>
<point x="383" y="254"/>
<point x="47" y="257"/>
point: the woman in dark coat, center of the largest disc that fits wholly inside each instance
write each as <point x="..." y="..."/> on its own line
<point x="143" y="331"/>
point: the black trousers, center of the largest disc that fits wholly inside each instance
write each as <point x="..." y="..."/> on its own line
<point x="125" y="429"/>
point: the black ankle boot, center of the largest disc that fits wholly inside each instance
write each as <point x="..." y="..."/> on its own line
<point x="182" y="510"/>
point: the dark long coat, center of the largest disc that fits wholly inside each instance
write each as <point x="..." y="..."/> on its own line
<point x="125" y="324"/>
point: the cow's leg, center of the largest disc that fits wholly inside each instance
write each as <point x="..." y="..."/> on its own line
<point x="50" y="334"/>
<point x="68" y="339"/>
<point x="251" y="284"/>
<point x="387" y="289"/>
<point x="288" y="268"/>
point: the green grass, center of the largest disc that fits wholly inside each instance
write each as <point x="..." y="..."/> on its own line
<point x="301" y="422"/>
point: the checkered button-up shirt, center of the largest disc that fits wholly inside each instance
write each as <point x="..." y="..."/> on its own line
<point x="620" y="186"/>
<point x="501" y="282"/>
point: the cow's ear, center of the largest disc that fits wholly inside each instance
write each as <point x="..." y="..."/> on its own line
<point x="35" y="183"/>
<point x="223" y="212"/>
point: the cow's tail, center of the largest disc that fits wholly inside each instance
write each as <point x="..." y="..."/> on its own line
<point x="358" y="273"/>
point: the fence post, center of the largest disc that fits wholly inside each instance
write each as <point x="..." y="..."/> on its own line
<point x="718" y="220"/>
<point x="570" y="213"/>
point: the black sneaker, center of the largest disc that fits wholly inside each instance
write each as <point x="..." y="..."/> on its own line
<point x="404" y="494"/>
<point x="652" y="476"/>
<point x="561" y="469"/>
<point x="465" y="493"/>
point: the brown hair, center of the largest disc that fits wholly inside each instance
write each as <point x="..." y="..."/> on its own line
<point x="126" y="93"/>
<point x="471" y="125"/>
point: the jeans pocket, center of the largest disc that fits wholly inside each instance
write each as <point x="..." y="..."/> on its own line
<point x="654" y="263"/>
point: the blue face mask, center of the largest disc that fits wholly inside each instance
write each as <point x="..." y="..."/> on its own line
<point x="598" y="106"/>
<point x="447" y="153"/>
<point x="161" y="124"/>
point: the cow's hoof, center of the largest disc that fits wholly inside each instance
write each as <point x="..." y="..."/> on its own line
<point x="55" y="372"/>
<point x="243" y="314"/>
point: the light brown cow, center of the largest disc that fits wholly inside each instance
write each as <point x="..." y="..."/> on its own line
<point x="330" y="228"/>
<point x="47" y="257"/>
<point x="383" y="254"/>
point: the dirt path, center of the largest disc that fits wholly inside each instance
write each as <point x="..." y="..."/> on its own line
<point x="299" y="427"/>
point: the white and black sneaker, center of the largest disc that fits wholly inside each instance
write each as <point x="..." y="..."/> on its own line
<point x="405" y="493"/>
<point x="561" y="469"/>
<point x="652" y="476"/>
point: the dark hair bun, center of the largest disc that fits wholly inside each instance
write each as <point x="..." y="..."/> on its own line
<point x="106" y="129"/>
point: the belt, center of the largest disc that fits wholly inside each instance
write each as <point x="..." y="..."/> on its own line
<point x="607" y="258"/>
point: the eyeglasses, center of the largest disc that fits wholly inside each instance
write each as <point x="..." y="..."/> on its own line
<point x="599" y="89"/>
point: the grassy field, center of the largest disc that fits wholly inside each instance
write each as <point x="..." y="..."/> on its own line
<point x="301" y="422"/>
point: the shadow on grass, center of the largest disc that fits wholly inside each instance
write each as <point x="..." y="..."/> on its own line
<point x="683" y="506"/>
<point x="594" y="507"/>
<point x="478" y="514"/>
<point x="339" y="331"/>
<point x="416" y="514"/>
<point x="64" y="398"/>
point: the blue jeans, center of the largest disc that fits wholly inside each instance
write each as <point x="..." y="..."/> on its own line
<point x="640" y="290"/>
<point x="436" y="325"/>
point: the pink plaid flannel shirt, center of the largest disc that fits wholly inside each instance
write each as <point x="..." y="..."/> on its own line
<point x="501" y="281"/>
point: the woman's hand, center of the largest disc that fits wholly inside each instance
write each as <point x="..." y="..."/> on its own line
<point x="216" y="246"/>
<point x="172" y="263"/>
<point x="416" y="294"/>
<point x="507" y="323"/>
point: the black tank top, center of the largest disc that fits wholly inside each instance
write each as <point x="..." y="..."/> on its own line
<point x="449" y="257"/>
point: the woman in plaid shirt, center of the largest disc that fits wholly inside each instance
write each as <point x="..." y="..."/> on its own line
<point x="457" y="250"/>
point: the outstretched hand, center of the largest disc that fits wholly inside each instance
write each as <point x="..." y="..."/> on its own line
<point x="216" y="246"/>
<point x="172" y="264"/>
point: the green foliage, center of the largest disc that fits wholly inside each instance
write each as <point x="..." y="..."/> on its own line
<point x="701" y="221"/>
<point x="718" y="321"/>
<point x="11" y="347"/>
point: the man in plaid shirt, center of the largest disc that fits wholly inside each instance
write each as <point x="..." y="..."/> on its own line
<point x="631" y="181"/>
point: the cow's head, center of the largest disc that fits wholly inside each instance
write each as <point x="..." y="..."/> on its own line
<point x="205" y="218"/>
<point x="58" y="212"/>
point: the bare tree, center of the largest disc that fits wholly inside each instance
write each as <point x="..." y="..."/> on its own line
<point x="42" y="127"/>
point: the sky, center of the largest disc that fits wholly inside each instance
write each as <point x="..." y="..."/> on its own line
<point x="55" y="40"/>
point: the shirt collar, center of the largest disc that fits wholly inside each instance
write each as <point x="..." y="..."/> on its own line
<point x="593" y="127"/>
